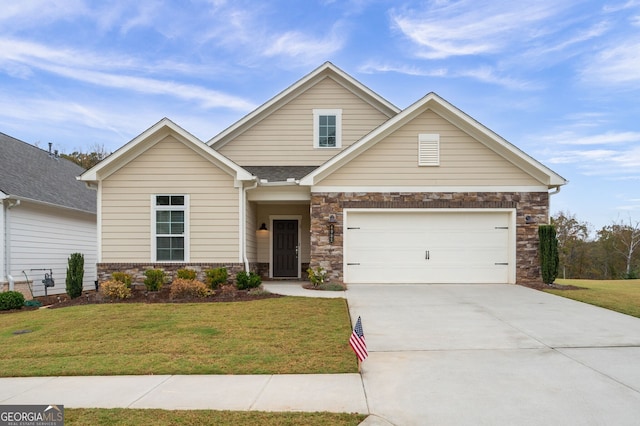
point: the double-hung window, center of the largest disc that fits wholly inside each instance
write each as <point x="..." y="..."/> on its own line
<point x="327" y="128"/>
<point x="170" y="225"/>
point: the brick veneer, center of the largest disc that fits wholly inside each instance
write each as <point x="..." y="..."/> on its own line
<point x="329" y="256"/>
<point x="136" y="270"/>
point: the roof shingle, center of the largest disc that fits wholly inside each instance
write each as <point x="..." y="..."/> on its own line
<point x="30" y="172"/>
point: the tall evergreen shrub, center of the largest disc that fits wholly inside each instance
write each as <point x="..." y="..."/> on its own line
<point x="75" y="275"/>
<point x="549" y="260"/>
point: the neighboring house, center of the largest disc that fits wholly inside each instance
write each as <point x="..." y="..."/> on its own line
<point x="328" y="173"/>
<point x="46" y="215"/>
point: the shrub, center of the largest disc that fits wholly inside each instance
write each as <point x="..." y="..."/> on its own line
<point x="246" y="280"/>
<point x="75" y="275"/>
<point x="115" y="290"/>
<point x="186" y="274"/>
<point x="548" y="253"/>
<point x="11" y="300"/>
<point x="183" y="289"/>
<point x="122" y="277"/>
<point x="317" y="276"/>
<point x="154" y="279"/>
<point x="216" y="277"/>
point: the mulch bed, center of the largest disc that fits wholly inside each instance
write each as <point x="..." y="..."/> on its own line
<point x="143" y="296"/>
<point x="162" y="296"/>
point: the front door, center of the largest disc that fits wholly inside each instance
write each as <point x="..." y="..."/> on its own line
<point x="285" y="248"/>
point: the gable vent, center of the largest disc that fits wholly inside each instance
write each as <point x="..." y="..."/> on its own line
<point x="428" y="149"/>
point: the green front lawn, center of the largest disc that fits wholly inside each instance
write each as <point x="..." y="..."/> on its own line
<point x="272" y="336"/>
<point x="130" y="417"/>
<point x="618" y="295"/>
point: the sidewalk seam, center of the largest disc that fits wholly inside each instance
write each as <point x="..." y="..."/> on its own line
<point x="260" y="392"/>
<point x="150" y="390"/>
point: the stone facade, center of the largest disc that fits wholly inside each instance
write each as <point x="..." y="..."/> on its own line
<point x="136" y="270"/>
<point x="532" y="205"/>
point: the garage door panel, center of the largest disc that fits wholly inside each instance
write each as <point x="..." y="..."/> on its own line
<point x="443" y="247"/>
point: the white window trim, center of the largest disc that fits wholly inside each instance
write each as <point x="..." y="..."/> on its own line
<point x="316" y="127"/>
<point x="428" y="149"/>
<point x="154" y="240"/>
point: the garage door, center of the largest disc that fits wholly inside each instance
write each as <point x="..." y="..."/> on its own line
<point x="401" y="246"/>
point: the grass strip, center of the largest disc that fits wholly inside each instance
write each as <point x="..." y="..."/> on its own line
<point x="617" y="295"/>
<point x="135" y="417"/>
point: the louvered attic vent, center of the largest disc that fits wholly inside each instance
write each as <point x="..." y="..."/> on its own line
<point x="428" y="149"/>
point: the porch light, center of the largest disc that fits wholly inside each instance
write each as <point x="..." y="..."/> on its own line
<point x="263" y="227"/>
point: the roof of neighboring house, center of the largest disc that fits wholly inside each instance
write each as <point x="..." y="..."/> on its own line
<point x="279" y="173"/>
<point x="28" y="172"/>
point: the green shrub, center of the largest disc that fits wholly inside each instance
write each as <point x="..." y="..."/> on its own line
<point x="549" y="260"/>
<point x="115" y="290"/>
<point x="11" y="300"/>
<point x="216" y="277"/>
<point x="154" y="279"/>
<point x="186" y="274"/>
<point x="75" y="275"/>
<point x="317" y="276"/>
<point x="183" y="289"/>
<point x="246" y="280"/>
<point x="122" y="277"/>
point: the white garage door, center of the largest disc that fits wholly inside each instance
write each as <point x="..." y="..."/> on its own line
<point x="435" y="246"/>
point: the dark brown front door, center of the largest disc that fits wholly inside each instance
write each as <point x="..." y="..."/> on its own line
<point x="285" y="248"/>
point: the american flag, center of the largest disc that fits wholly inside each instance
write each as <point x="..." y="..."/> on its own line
<point x="357" y="342"/>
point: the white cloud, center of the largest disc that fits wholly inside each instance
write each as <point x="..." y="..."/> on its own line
<point x="462" y="28"/>
<point x="607" y="138"/>
<point x="373" y="67"/>
<point x="107" y="72"/>
<point x="485" y="74"/>
<point x="301" y="45"/>
<point x="615" y="64"/>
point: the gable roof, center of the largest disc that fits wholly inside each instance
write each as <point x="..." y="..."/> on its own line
<point x="147" y="139"/>
<point x="326" y="70"/>
<point x="30" y="173"/>
<point x="459" y="119"/>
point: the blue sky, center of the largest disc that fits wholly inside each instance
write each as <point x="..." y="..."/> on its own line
<point x="560" y="79"/>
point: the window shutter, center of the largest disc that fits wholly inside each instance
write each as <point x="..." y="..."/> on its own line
<point x="428" y="149"/>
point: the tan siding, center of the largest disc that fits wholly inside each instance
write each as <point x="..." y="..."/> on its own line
<point x="169" y="167"/>
<point x="285" y="138"/>
<point x="463" y="161"/>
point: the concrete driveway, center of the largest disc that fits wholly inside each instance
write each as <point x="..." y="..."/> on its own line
<point x="495" y="355"/>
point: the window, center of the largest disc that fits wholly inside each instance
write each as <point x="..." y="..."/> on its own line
<point x="428" y="149"/>
<point x="170" y="227"/>
<point x="327" y="128"/>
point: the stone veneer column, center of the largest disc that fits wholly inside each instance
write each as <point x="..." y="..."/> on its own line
<point x="330" y="256"/>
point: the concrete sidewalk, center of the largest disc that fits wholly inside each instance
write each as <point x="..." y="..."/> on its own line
<point x="338" y="393"/>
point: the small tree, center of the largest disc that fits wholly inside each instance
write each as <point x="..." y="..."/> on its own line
<point x="548" y="253"/>
<point x="75" y="275"/>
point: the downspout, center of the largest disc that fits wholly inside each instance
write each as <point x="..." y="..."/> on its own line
<point x="11" y="203"/>
<point x="243" y="224"/>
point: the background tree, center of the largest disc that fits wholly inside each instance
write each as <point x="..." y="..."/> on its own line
<point x="573" y="245"/>
<point x="86" y="160"/>
<point x="621" y="240"/>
